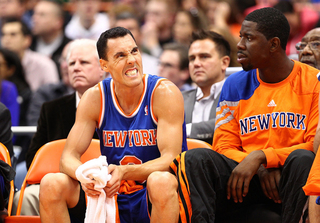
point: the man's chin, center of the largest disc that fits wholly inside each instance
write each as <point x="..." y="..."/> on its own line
<point x="246" y="67"/>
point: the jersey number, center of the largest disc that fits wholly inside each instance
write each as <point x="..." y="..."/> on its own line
<point x="130" y="160"/>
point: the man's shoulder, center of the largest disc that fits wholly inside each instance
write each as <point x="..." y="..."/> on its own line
<point x="38" y="58"/>
<point x="240" y="85"/>
<point x="60" y="101"/>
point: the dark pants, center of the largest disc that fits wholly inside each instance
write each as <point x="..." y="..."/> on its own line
<point x="207" y="173"/>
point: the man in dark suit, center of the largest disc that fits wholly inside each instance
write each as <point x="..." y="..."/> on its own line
<point x="209" y="57"/>
<point x="58" y="116"/>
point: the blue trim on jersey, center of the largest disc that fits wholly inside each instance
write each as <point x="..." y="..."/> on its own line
<point x="239" y="86"/>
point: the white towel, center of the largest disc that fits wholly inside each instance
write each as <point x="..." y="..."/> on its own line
<point x="100" y="209"/>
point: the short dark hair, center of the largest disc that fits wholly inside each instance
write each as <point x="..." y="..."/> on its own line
<point x="182" y="50"/>
<point x="271" y="23"/>
<point x="222" y="45"/>
<point x="24" y="28"/>
<point x="13" y="61"/>
<point x="112" y="33"/>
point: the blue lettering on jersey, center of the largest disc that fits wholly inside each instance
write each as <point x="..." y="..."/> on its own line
<point x="264" y="122"/>
<point x="281" y="119"/>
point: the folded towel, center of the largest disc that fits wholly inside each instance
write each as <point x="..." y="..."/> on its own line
<point x="100" y="209"/>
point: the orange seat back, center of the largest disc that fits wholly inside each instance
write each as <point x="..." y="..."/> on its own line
<point x="196" y="143"/>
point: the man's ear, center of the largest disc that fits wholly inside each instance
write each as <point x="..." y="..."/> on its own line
<point x="275" y="44"/>
<point x="103" y="64"/>
<point x="27" y="41"/>
<point x="225" y="62"/>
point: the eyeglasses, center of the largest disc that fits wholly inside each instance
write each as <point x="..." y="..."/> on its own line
<point x="314" y="45"/>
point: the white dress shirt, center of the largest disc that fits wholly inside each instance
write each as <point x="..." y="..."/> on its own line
<point x="202" y="106"/>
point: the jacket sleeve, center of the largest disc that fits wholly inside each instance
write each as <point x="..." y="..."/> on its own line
<point x="40" y="137"/>
<point x="5" y="128"/>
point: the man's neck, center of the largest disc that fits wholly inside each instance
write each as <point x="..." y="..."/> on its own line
<point x="277" y="72"/>
<point x="87" y="23"/>
<point x="50" y="37"/>
<point x="129" y="99"/>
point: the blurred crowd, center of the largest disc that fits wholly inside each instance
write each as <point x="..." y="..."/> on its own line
<point x="33" y="66"/>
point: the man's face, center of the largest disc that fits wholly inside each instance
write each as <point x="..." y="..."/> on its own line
<point x="206" y="66"/>
<point x="11" y="8"/>
<point x="123" y="61"/>
<point x="253" y="47"/>
<point x="311" y="53"/>
<point x="45" y="18"/>
<point x="83" y="68"/>
<point x="87" y="9"/>
<point x="131" y="25"/>
<point x="169" y="67"/>
<point x="182" y="28"/>
<point x="13" y="38"/>
<point x="158" y="13"/>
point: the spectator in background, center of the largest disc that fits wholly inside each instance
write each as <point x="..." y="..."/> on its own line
<point x="49" y="92"/>
<point x="301" y="20"/>
<point x="86" y="21"/>
<point x="14" y="9"/>
<point x="58" y="116"/>
<point x="189" y="4"/>
<point x="158" y="22"/>
<point x="186" y="22"/>
<point x="225" y="18"/>
<point x="39" y="69"/>
<point x="138" y="6"/>
<point x="12" y="70"/>
<point x="209" y="57"/>
<point x="309" y="48"/>
<point x="131" y="22"/>
<point x="9" y="93"/>
<point x="225" y="15"/>
<point x="173" y="65"/>
<point x="48" y="30"/>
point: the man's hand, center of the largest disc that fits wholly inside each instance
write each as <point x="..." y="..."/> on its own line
<point x="269" y="179"/>
<point x="114" y="183"/>
<point x="88" y="188"/>
<point x="239" y="180"/>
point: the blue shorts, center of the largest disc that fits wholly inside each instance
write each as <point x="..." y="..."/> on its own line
<point x="134" y="207"/>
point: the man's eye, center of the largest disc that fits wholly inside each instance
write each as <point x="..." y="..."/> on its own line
<point x="315" y="44"/>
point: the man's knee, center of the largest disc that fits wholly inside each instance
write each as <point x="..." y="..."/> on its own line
<point x="301" y="157"/>
<point x="53" y="186"/>
<point x="161" y="186"/>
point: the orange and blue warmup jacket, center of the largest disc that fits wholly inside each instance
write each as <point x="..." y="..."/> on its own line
<point x="275" y="118"/>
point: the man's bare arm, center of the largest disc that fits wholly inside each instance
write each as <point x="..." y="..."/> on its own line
<point x="82" y="131"/>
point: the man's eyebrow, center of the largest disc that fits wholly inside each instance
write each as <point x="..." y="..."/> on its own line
<point x="118" y="53"/>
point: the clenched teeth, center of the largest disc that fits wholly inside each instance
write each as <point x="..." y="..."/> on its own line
<point x="131" y="72"/>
